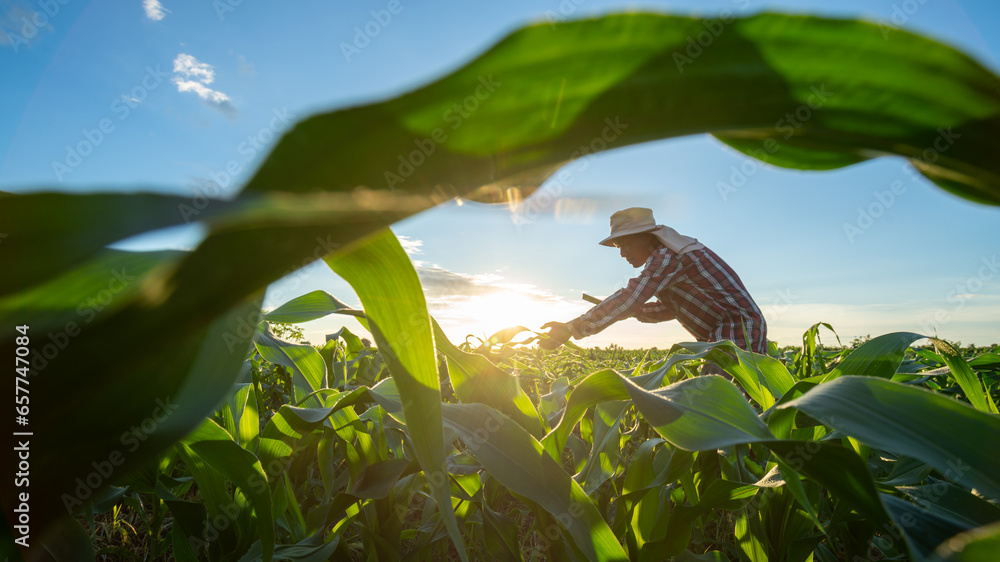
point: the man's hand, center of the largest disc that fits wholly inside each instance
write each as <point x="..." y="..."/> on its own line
<point x="558" y="335"/>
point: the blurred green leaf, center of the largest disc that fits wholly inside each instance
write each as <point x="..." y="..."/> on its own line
<point x="978" y="545"/>
<point x="70" y="229"/>
<point x="627" y="75"/>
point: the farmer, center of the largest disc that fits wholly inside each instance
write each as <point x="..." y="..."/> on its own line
<point x="690" y="282"/>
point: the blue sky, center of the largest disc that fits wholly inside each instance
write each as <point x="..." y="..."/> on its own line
<point x="171" y="94"/>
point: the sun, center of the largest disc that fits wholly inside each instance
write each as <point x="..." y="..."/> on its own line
<point x="483" y="315"/>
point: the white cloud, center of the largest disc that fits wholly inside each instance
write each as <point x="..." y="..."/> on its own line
<point x="190" y="75"/>
<point x="154" y="10"/>
<point x="189" y="67"/>
<point x="411" y="245"/>
<point x="204" y="92"/>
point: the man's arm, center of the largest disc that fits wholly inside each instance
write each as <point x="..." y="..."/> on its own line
<point x="630" y="300"/>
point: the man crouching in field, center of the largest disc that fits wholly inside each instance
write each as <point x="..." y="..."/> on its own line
<point x="690" y="282"/>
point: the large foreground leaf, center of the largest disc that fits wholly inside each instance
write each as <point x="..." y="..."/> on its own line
<point x="67" y="229"/>
<point x="548" y="89"/>
<point x="387" y="285"/>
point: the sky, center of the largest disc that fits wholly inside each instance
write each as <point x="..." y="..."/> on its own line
<point x="171" y="95"/>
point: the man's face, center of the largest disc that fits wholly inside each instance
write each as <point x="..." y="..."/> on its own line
<point x="636" y="249"/>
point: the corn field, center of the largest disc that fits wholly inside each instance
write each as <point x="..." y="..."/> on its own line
<point x="598" y="454"/>
<point x="173" y="423"/>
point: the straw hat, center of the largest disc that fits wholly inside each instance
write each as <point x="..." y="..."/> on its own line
<point x="637" y="220"/>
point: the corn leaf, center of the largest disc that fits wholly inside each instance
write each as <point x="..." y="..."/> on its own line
<point x="954" y="438"/>
<point x="69" y="229"/>
<point x="965" y="376"/>
<point x="923" y="529"/>
<point x="309" y="306"/>
<point x="215" y="447"/>
<point x="621" y="83"/>
<point x="308" y="368"/>
<point x="877" y="357"/>
<point x="699" y="414"/>
<point x="385" y="281"/>
<point x="517" y="461"/>
<point x="763" y="378"/>
<point x="636" y="84"/>
<point x="476" y="379"/>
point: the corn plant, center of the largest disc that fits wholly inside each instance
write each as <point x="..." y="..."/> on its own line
<point x="641" y="459"/>
<point x="126" y="396"/>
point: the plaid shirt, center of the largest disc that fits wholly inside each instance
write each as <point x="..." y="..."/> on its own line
<point x="697" y="288"/>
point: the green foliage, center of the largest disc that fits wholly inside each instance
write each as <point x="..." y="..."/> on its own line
<point x="259" y="448"/>
<point x="287" y="332"/>
<point x="689" y="468"/>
